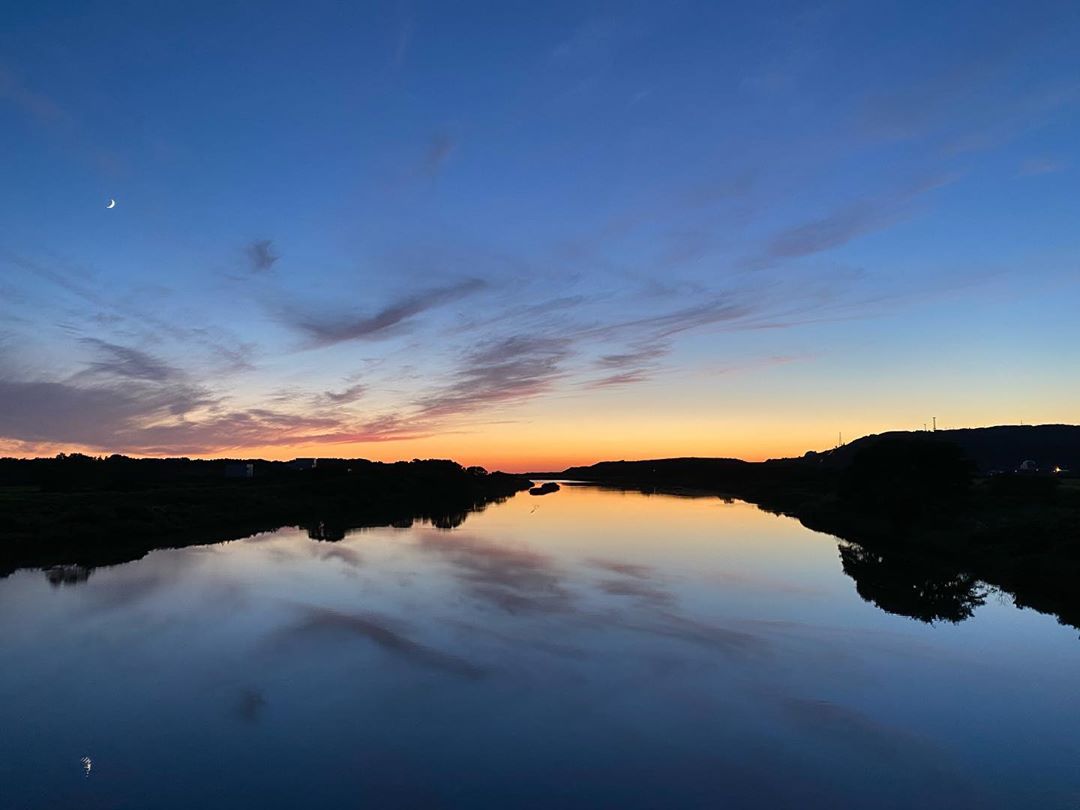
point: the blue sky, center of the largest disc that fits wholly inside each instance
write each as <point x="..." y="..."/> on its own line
<point x="521" y="233"/>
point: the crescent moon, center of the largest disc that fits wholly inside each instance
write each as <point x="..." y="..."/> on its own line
<point x="112" y="204"/>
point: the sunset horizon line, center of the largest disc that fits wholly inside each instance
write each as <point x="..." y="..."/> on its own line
<point x="520" y="465"/>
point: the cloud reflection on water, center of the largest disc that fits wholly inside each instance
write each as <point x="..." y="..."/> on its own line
<point x="513" y="579"/>
<point x="637" y="589"/>
<point x="317" y="625"/>
<point x="518" y="580"/>
<point x="250" y="705"/>
<point x="571" y="642"/>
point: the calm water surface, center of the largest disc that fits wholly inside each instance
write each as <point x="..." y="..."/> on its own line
<point x="584" y="649"/>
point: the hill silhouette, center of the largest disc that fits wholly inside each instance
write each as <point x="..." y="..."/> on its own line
<point x="931" y="513"/>
<point x="1003" y="447"/>
<point x="998" y="448"/>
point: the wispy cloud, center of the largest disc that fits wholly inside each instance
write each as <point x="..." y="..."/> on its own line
<point x="325" y="329"/>
<point x="124" y="361"/>
<point x="723" y="308"/>
<point x="754" y="364"/>
<point x="636" y="357"/>
<point x="128" y="399"/>
<point x="832" y="231"/>
<point x="630" y="367"/>
<point x="594" y="43"/>
<point x="261" y="255"/>
<point x="125" y="400"/>
<point x="977" y="97"/>
<point x="438" y="152"/>
<point x="620" y="379"/>
<point x="846" y="223"/>
<point x="404" y="38"/>
<point x="40" y="106"/>
<point x="46" y="112"/>
<point x="1041" y="165"/>
<point x="107" y="416"/>
<point x="102" y="309"/>
<point x="255" y="427"/>
<point x="505" y="370"/>
<point x="346" y="395"/>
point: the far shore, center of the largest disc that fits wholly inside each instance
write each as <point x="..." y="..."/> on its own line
<point x="942" y="503"/>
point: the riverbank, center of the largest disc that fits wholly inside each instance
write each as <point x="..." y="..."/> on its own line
<point x="98" y="520"/>
<point x="1021" y="535"/>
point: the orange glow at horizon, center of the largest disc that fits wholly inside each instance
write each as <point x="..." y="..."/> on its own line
<point x="516" y="447"/>
<point x="492" y="451"/>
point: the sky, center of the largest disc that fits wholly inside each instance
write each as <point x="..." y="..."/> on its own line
<point x="530" y="235"/>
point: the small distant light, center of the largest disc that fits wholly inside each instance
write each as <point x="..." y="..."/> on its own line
<point x="87" y="765"/>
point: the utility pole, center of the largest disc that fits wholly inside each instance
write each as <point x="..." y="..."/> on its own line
<point x="935" y="423"/>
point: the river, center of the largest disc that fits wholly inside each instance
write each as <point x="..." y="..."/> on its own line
<point x="589" y="648"/>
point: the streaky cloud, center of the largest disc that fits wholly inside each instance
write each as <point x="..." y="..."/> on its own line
<point x="829" y="232"/>
<point x="622" y="378"/>
<point x="114" y="312"/>
<point x="329" y="329"/>
<point x="1034" y="167"/>
<point x="438" y="152"/>
<point x="633" y="358"/>
<point x="505" y="370"/>
<point x="124" y="361"/>
<point x="261" y="255"/>
<point x="846" y="223"/>
<point x="105" y="415"/>
<point x="350" y="394"/>
<point x="40" y="106"/>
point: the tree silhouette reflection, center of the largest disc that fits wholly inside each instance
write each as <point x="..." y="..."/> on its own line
<point x="910" y="587"/>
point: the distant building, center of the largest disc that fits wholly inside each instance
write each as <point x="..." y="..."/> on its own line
<point x="303" y="464"/>
<point x="1029" y="466"/>
<point x="242" y="469"/>
<point x="67" y="574"/>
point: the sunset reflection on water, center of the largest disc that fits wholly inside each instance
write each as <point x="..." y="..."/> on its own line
<point x="581" y="649"/>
